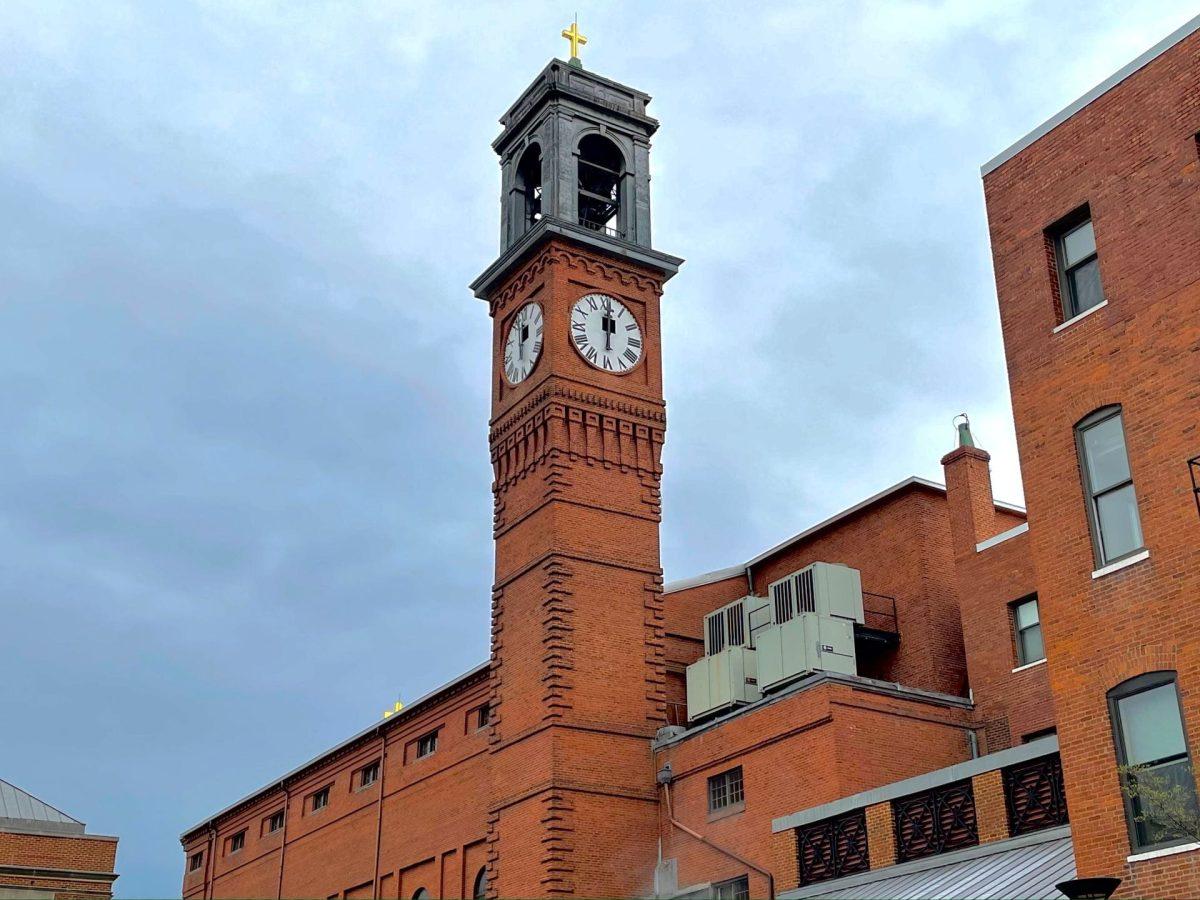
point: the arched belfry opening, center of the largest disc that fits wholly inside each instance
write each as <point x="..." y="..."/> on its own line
<point x="529" y="187"/>
<point x="601" y="168"/>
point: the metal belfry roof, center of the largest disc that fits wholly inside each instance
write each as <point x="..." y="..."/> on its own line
<point x="23" y="811"/>
<point x="1026" y="867"/>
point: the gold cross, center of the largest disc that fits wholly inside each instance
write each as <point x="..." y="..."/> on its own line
<point x="572" y="34"/>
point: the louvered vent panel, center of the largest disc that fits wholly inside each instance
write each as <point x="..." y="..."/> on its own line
<point x="935" y="821"/>
<point x="806" y="598"/>
<point x="833" y="847"/>
<point x="716" y="634"/>
<point x="781" y="595"/>
<point x="736" y="628"/>
<point x="1034" y="795"/>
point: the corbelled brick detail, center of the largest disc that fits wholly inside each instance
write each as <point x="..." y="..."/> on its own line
<point x="881" y="835"/>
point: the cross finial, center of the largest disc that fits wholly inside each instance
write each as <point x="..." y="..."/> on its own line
<point x="572" y="34"/>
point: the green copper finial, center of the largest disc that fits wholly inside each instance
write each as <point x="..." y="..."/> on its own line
<point x="965" y="438"/>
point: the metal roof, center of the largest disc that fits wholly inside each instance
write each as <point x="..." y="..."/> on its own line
<point x="21" y="811"/>
<point x="1098" y="91"/>
<point x="1026" y="867"/>
<point x="911" y="481"/>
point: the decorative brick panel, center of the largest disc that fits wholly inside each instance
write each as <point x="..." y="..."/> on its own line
<point x="991" y="815"/>
<point x="881" y="835"/>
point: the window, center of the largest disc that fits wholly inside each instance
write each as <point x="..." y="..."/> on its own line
<point x="1152" y="751"/>
<point x="420" y="894"/>
<point x="733" y="889"/>
<point x="482" y="717"/>
<point x="368" y="775"/>
<point x="600" y="167"/>
<point x="1078" y="265"/>
<point x="196" y="861"/>
<point x="529" y="188"/>
<point x="1108" y="484"/>
<point x="238" y="841"/>
<point x="1027" y="629"/>
<point x="427" y="744"/>
<point x="479" y="891"/>
<point x="320" y="799"/>
<point x="275" y="823"/>
<point x="725" y="790"/>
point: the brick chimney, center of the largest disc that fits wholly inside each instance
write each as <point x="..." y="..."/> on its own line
<point x="969" y="492"/>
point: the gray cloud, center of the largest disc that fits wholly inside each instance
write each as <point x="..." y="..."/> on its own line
<point x="244" y="491"/>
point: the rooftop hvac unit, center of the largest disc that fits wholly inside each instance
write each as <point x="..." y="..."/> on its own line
<point x="722" y="680"/>
<point x="814" y="612"/>
<point x="823" y="588"/>
<point x="736" y="624"/>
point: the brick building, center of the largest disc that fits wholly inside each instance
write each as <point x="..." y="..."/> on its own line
<point x="721" y="736"/>
<point x="46" y="854"/>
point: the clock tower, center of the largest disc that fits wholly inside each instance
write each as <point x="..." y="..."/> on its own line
<point x="577" y="673"/>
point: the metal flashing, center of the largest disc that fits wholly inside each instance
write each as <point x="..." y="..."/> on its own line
<point x="707" y="578"/>
<point x="816" y="679"/>
<point x="911" y="481"/>
<point x="957" y="772"/>
<point x="1098" y="91"/>
<point x="548" y="226"/>
<point x="1001" y="537"/>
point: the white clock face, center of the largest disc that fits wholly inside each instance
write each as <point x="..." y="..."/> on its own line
<point x="605" y="333"/>
<point x="523" y="345"/>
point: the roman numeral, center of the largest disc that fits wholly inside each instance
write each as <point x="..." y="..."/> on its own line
<point x="607" y="363"/>
<point x="634" y="342"/>
<point x="592" y="303"/>
<point x="579" y="326"/>
<point x="632" y="326"/>
<point x="591" y="354"/>
<point x="630" y="355"/>
<point x="581" y="340"/>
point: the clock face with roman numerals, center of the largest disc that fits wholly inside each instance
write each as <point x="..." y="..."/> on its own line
<point x="605" y="333"/>
<point x="524" y="343"/>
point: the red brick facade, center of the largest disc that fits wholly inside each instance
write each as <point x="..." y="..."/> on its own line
<point x="56" y="859"/>
<point x="557" y="793"/>
<point x="1131" y="155"/>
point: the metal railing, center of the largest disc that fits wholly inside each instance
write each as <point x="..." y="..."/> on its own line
<point x="1194" y="470"/>
<point x="879" y="612"/>
<point x="602" y="227"/>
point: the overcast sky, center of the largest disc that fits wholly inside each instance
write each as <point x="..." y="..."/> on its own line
<point x="244" y="481"/>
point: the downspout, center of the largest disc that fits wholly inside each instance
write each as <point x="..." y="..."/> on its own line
<point x="379" y="818"/>
<point x="745" y="862"/>
<point x="209" y="861"/>
<point x="287" y="814"/>
<point x="749" y="581"/>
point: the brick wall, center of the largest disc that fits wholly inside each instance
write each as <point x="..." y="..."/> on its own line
<point x="1131" y="155"/>
<point x="432" y="808"/>
<point x="66" y="860"/>
<point x="1010" y="704"/>
<point x="810" y="748"/>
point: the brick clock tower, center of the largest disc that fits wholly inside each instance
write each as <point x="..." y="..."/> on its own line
<point x="578" y="419"/>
